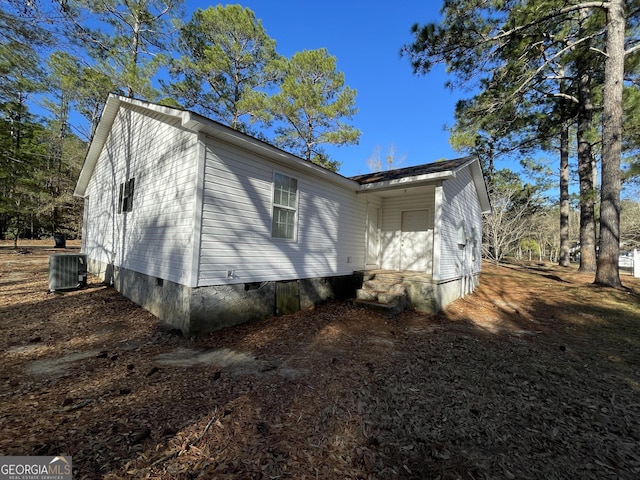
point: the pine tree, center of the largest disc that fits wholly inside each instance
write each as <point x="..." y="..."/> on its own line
<point x="225" y="53"/>
<point x="312" y="104"/>
<point x="528" y="41"/>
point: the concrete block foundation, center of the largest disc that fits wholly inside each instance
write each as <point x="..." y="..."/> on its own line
<point x="204" y="309"/>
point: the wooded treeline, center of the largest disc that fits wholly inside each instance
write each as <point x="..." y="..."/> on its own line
<point x="545" y="75"/>
<point x="555" y="76"/>
<point x="65" y="56"/>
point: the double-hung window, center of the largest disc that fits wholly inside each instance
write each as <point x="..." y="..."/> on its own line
<point x="285" y="204"/>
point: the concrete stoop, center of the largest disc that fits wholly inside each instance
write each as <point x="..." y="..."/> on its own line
<point x="384" y="292"/>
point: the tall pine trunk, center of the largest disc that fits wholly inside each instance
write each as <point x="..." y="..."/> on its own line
<point x="585" y="170"/>
<point x="564" y="196"/>
<point x="608" y="273"/>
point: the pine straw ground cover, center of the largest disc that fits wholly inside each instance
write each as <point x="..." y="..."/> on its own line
<point x="536" y="375"/>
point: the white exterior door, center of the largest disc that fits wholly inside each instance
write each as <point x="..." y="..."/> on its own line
<point x="373" y="236"/>
<point x="415" y="242"/>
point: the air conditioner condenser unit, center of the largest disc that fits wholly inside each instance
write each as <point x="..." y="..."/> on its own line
<point x="67" y="271"/>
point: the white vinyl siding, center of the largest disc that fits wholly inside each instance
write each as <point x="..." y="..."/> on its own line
<point x="236" y="242"/>
<point x="373" y="235"/>
<point x="155" y="237"/>
<point x="391" y="225"/>
<point x="460" y="209"/>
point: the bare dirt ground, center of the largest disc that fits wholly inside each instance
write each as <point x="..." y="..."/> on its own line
<point x="536" y="375"/>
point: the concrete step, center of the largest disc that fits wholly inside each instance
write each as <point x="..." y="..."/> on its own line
<point x="389" y="310"/>
<point x="385" y="286"/>
<point x="384" y="292"/>
<point x="419" y="287"/>
<point x="380" y="296"/>
<point x="394" y="277"/>
<point x="388" y="303"/>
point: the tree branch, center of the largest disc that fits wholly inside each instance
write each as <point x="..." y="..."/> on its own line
<point x="632" y="50"/>
<point x="547" y="62"/>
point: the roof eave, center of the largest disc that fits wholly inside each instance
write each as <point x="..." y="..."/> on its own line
<point x="407" y="182"/>
<point x="109" y="112"/>
<point x="197" y="123"/>
<point x="481" y="186"/>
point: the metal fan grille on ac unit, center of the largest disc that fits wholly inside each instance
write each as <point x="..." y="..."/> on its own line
<point x="67" y="271"/>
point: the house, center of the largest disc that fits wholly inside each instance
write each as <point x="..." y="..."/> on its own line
<point x="207" y="227"/>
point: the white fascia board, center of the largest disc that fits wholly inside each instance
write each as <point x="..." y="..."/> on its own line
<point x="481" y="187"/>
<point x="109" y="112"/>
<point x="480" y="184"/>
<point x="406" y="182"/>
<point x="197" y="123"/>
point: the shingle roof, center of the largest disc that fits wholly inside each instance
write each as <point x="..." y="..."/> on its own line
<point x="426" y="169"/>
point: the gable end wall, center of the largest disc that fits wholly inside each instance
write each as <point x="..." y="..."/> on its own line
<point x="156" y="237"/>
<point x="460" y="206"/>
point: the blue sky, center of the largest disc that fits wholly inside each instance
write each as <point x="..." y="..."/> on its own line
<point x="395" y="106"/>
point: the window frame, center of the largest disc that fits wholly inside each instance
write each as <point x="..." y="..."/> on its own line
<point x="125" y="196"/>
<point x="277" y="206"/>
